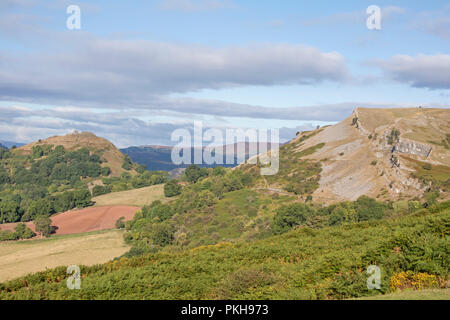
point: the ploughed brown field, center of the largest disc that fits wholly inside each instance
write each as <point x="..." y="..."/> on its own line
<point x="84" y="220"/>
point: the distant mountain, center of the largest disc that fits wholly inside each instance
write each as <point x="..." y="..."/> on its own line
<point x="9" y="144"/>
<point x="3" y="147"/>
<point x="159" y="157"/>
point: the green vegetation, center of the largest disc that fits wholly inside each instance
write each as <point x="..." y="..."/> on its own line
<point x="172" y="188"/>
<point x="49" y="180"/>
<point x="193" y="173"/>
<point x="127" y="181"/>
<point x="21" y="231"/>
<point x="444" y="142"/>
<point x="297" y="175"/>
<point x="127" y="163"/>
<point x="99" y="190"/>
<point x="43" y="225"/>
<point x="188" y="214"/>
<point x="437" y="177"/>
<point x="120" y="223"/>
<point x="394" y="136"/>
<point x="305" y="263"/>
<point x="298" y="214"/>
<point x="290" y="216"/>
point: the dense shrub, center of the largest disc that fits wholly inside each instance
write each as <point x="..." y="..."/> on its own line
<point x="43" y="225"/>
<point x="23" y="232"/>
<point x="290" y="216"/>
<point x="172" y="188"/>
<point x="120" y="224"/>
<point x="193" y="173"/>
<point x="127" y="163"/>
<point x="99" y="190"/>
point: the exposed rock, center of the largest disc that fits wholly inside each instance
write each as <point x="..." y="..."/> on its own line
<point x="413" y="147"/>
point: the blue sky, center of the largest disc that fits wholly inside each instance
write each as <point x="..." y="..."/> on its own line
<point x="137" y="70"/>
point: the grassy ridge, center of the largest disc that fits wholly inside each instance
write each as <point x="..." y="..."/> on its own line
<point x="305" y="263"/>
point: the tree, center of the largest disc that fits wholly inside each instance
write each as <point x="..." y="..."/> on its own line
<point x="105" y="171"/>
<point x="38" y="207"/>
<point x="127" y="163"/>
<point x="162" y="235"/>
<point x="219" y="171"/>
<point x="290" y="216"/>
<point x="23" y="232"/>
<point x="369" y="209"/>
<point x="37" y="151"/>
<point x="204" y="198"/>
<point x="82" y="198"/>
<point x="194" y="173"/>
<point x="141" y="168"/>
<point x="99" y="190"/>
<point x="43" y="225"/>
<point x="172" y="188"/>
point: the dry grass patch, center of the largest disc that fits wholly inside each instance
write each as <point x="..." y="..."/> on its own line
<point x="135" y="197"/>
<point x="18" y="258"/>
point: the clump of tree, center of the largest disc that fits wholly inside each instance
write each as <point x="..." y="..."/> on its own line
<point x="21" y="231"/>
<point x="363" y="209"/>
<point x="172" y="188"/>
<point x="127" y="163"/>
<point x="290" y="216"/>
<point x="43" y="225"/>
<point x="194" y="173"/>
<point x="99" y="190"/>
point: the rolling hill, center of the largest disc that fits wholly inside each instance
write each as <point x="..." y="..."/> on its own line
<point x="112" y="156"/>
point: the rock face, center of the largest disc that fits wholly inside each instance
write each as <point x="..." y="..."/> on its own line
<point x="369" y="153"/>
<point x="412" y="147"/>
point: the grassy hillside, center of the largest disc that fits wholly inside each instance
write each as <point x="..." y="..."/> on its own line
<point x="20" y="258"/>
<point x="135" y="197"/>
<point x="305" y="263"/>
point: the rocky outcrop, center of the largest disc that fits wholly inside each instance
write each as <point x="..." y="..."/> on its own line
<point x="412" y="147"/>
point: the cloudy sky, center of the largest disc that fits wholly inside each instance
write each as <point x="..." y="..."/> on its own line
<point x="137" y="70"/>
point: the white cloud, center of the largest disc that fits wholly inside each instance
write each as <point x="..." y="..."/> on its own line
<point x="134" y="73"/>
<point x="421" y="71"/>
